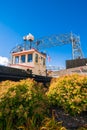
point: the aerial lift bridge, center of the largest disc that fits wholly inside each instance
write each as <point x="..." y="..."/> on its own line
<point x="51" y="41"/>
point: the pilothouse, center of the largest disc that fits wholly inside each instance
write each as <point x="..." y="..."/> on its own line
<point x="28" y="58"/>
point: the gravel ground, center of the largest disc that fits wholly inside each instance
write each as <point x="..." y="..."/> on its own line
<point x="70" y="122"/>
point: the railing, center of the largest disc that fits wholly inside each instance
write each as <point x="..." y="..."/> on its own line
<point x="9" y="73"/>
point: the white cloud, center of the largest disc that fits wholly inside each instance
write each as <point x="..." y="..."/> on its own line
<point x="4" y="61"/>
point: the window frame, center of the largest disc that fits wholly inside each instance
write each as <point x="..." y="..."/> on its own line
<point x="44" y="62"/>
<point x="16" y="59"/>
<point x="31" y="58"/>
<point x="36" y="57"/>
<point x="23" y="60"/>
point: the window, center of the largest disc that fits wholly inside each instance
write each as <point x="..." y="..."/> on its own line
<point x="16" y="59"/>
<point x="36" y="58"/>
<point x="43" y="61"/>
<point x="12" y="60"/>
<point x="23" y="59"/>
<point x="30" y="57"/>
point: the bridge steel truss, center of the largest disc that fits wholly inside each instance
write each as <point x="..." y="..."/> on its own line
<point x="54" y="40"/>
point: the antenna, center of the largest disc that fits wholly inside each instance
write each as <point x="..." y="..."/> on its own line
<point x="30" y="38"/>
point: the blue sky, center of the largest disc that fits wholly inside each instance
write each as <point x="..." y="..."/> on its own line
<point x="43" y="18"/>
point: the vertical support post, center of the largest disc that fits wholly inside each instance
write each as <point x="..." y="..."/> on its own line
<point x="72" y="41"/>
<point x="25" y="39"/>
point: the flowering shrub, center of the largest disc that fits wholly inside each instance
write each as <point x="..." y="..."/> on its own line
<point x="69" y="92"/>
<point x="22" y="104"/>
<point x="51" y="124"/>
